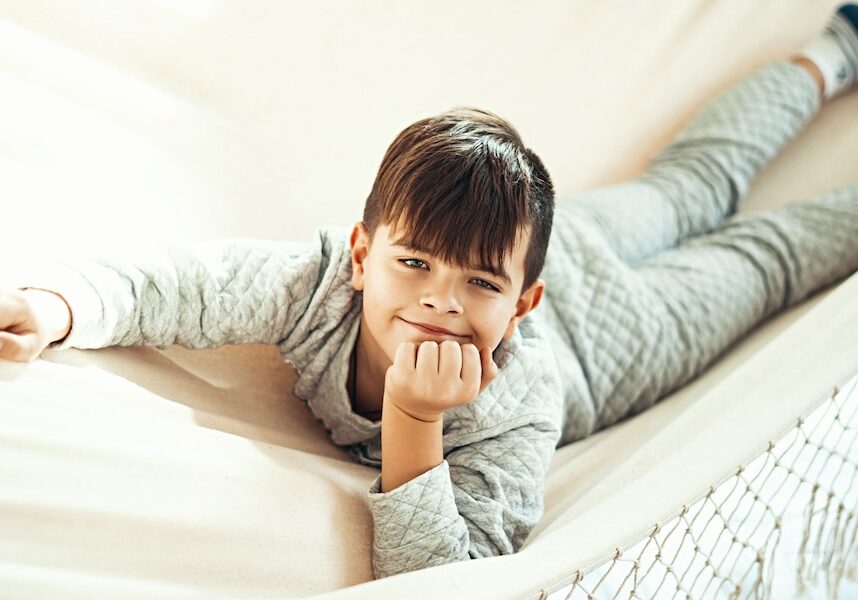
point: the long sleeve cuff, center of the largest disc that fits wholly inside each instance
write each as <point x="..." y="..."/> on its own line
<point x="417" y="525"/>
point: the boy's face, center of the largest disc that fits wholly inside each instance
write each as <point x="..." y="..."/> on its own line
<point x="402" y="287"/>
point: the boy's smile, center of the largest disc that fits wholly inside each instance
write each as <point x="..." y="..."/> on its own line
<point x="434" y="331"/>
<point x="406" y="292"/>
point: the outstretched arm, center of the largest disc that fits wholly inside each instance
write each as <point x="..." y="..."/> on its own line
<point x="202" y="295"/>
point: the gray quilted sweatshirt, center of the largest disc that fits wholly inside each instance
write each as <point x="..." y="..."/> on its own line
<point x="482" y="500"/>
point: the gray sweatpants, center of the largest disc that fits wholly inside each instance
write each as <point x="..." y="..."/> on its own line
<point x="651" y="280"/>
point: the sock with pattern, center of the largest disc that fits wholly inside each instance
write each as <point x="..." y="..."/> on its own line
<point x="835" y="52"/>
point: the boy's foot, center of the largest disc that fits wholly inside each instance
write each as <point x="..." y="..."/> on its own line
<point x="835" y="52"/>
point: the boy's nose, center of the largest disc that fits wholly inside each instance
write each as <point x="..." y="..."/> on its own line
<point x="442" y="302"/>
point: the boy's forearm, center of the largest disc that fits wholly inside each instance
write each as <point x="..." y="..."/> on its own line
<point x="409" y="447"/>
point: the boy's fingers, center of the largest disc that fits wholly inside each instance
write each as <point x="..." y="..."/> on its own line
<point x="19" y="348"/>
<point x="10" y="311"/>
<point x="450" y="359"/>
<point x="427" y="357"/>
<point x="400" y="371"/>
<point x="405" y="355"/>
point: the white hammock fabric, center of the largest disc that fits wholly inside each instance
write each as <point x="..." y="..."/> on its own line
<point x="145" y="473"/>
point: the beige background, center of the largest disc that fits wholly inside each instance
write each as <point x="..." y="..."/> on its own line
<point x="194" y="119"/>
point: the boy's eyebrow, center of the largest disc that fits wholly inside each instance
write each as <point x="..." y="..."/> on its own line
<point x="499" y="273"/>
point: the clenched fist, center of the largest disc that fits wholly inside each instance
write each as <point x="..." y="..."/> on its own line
<point x="29" y="321"/>
<point x="426" y="379"/>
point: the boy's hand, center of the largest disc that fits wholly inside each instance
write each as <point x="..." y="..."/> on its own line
<point x="425" y="380"/>
<point x="29" y="321"/>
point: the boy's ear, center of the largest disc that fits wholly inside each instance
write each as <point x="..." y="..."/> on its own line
<point x="527" y="302"/>
<point x="359" y="242"/>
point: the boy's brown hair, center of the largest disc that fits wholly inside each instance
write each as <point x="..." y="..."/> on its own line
<point x="461" y="186"/>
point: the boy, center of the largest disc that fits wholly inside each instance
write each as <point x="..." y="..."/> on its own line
<point x="643" y="285"/>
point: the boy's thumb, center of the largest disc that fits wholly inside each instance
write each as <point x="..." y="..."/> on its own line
<point x="490" y="363"/>
<point x="490" y="368"/>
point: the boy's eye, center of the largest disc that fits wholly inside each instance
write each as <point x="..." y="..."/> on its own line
<point x="481" y="282"/>
<point x="411" y="260"/>
<point x="487" y="285"/>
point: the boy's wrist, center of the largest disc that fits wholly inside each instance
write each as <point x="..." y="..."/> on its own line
<point x="409" y="446"/>
<point x="404" y="409"/>
<point x="53" y="309"/>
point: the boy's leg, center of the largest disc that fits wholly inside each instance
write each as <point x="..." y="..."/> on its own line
<point x="702" y="175"/>
<point x="645" y="330"/>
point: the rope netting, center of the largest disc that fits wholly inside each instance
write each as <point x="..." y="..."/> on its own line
<point x="770" y="530"/>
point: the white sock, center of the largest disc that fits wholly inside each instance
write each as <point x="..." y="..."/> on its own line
<point x="835" y="52"/>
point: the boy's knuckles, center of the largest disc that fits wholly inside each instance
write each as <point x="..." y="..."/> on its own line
<point x="17" y="352"/>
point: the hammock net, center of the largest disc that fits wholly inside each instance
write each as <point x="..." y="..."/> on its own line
<point x="793" y="508"/>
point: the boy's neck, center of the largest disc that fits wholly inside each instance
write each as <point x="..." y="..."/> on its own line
<point x="370" y="376"/>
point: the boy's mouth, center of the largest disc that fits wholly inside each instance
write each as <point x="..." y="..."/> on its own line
<point x="433" y="330"/>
